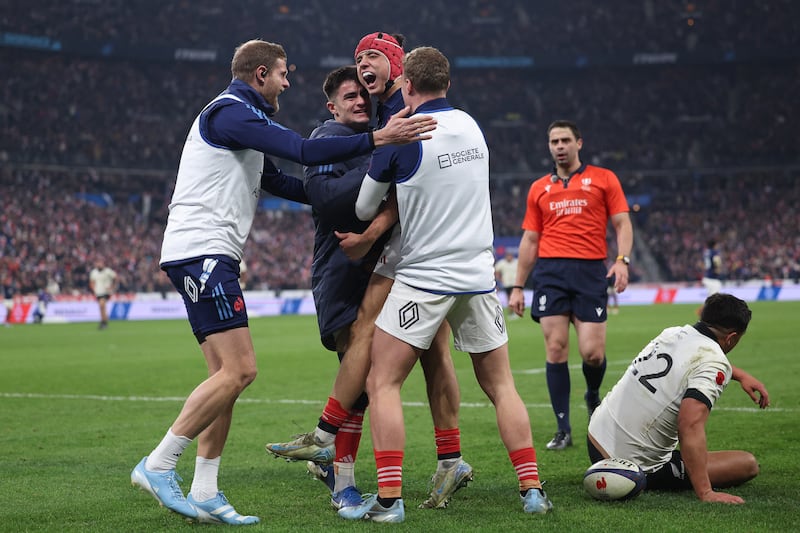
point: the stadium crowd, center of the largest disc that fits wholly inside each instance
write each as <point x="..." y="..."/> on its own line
<point x="57" y="222"/>
<point x="53" y="229"/>
<point x="506" y="27"/>
<point x="88" y="162"/>
<point x="754" y="218"/>
<point x="135" y="115"/>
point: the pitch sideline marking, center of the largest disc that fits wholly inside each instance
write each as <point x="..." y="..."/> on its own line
<point x="102" y="398"/>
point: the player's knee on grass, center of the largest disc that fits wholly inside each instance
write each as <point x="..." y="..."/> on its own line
<point x="750" y="466"/>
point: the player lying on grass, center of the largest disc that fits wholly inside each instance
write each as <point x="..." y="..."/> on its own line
<point x="665" y="397"/>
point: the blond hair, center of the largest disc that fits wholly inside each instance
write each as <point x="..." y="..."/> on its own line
<point x="252" y="54"/>
<point x="428" y="69"/>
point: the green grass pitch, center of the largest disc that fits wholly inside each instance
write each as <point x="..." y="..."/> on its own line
<point x="79" y="407"/>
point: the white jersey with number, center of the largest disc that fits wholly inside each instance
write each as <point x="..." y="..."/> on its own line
<point x="638" y="418"/>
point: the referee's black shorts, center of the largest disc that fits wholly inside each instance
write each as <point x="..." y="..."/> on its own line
<point x="570" y="286"/>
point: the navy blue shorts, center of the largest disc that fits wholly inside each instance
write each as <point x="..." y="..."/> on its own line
<point x="570" y="286"/>
<point x="211" y="293"/>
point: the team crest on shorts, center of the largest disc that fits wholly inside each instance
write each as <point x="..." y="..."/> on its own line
<point x="409" y="315"/>
<point x="499" y="319"/>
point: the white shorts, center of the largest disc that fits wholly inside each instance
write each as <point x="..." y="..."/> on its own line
<point x="387" y="262"/>
<point x="414" y="316"/>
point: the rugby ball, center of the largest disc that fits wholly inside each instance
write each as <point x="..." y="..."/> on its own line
<point x="614" y="479"/>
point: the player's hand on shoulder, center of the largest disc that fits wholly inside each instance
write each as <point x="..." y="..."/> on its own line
<point x="402" y="129"/>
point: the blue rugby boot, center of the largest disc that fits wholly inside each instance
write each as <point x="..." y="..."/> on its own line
<point x="163" y="486"/>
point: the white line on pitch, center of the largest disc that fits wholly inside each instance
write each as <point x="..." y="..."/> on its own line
<point x="101" y="398"/>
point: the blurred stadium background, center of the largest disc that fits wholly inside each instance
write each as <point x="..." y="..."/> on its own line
<point x="693" y="104"/>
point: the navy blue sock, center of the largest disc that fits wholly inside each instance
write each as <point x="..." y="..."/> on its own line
<point x="559" y="387"/>
<point x="594" y="377"/>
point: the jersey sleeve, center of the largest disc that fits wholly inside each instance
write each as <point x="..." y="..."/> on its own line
<point x="275" y="182"/>
<point x="533" y="215"/>
<point x="710" y="378"/>
<point x="332" y="193"/>
<point x="617" y="203"/>
<point x="239" y="126"/>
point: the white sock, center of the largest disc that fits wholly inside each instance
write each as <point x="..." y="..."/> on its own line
<point x="345" y="476"/>
<point x="324" y="437"/>
<point x="165" y="456"/>
<point x="204" y="484"/>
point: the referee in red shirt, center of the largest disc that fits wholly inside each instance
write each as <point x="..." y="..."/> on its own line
<point x="564" y="244"/>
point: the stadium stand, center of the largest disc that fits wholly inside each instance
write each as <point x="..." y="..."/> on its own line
<point x="497" y="27"/>
<point x="685" y="101"/>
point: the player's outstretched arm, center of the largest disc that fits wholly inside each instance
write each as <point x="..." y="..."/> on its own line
<point x="400" y="130"/>
<point x="751" y="386"/>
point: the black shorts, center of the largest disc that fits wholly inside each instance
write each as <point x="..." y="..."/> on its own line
<point x="669" y="476"/>
<point x="211" y="293"/>
<point x="570" y="286"/>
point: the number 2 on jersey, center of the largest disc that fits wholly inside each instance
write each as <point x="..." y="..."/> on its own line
<point x="646" y="378"/>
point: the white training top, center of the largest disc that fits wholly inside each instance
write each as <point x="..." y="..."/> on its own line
<point x="443" y="199"/>
<point x="215" y="199"/>
<point x="638" y="418"/>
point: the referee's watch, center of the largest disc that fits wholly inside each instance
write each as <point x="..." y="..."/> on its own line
<point x="624" y="258"/>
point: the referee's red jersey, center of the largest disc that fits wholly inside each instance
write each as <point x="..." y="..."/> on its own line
<point x="572" y="221"/>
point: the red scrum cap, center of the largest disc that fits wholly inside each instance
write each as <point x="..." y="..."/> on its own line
<point x="386" y="45"/>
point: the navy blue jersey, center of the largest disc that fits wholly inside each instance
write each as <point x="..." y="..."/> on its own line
<point x="338" y="284"/>
<point x="386" y="109"/>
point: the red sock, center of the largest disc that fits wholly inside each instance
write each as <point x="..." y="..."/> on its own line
<point x="333" y="416"/>
<point x="448" y="443"/>
<point x="524" y="461"/>
<point x="348" y="438"/>
<point x="390" y="473"/>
